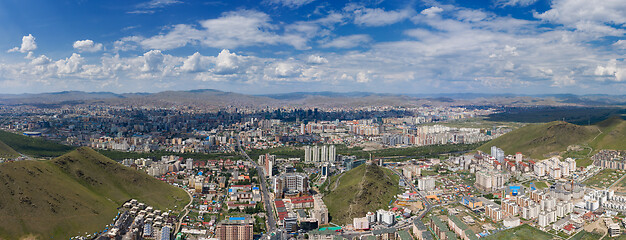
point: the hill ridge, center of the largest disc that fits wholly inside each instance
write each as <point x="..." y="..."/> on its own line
<point x="77" y="192"/>
<point x="542" y="140"/>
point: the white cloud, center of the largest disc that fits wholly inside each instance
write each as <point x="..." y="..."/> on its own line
<point x="150" y="6"/>
<point x="70" y="65"/>
<point x="28" y="45"/>
<point x="350" y="41"/>
<point x="621" y="44"/>
<point x="289" y="3"/>
<point x="226" y="63"/>
<point x="41" y="60"/>
<point x="194" y="63"/>
<point x="315" y="59"/>
<point x="612" y="69"/>
<point x="87" y="46"/>
<point x="513" y="3"/>
<point x="562" y="81"/>
<point x="595" y="17"/>
<point x="286" y="70"/>
<point x="363" y="77"/>
<point x="432" y="11"/>
<point x="231" y="30"/>
<point x="375" y="17"/>
<point x="152" y="61"/>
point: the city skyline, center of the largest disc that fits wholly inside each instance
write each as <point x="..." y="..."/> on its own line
<point x="277" y="46"/>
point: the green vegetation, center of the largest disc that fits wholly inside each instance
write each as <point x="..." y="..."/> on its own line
<point x="76" y="193"/>
<point x="523" y="232"/>
<point x="33" y="146"/>
<point x="281" y="152"/>
<point x="584" y="235"/>
<point x="432" y="151"/>
<point x="360" y="190"/>
<point x="118" y="155"/>
<point x="478" y="122"/>
<point x="7" y="152"/>
<point x="604" y="178"/>
<point x="575" y="115"/>
<point x="540" y="185"/>
<point x="540" y="140"/>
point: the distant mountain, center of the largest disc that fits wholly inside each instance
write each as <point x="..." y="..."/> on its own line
<point x="211" y="98"/>
<point x="76" y="193"/>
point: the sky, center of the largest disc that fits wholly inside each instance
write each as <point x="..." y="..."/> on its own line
<point x="280" y="46"/>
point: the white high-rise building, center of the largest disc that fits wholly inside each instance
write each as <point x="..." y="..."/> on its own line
<point x="332" y="153"/>
<point x="307" y="153"/>
<point x="426" y="184"/>
<point x="324" y="153"/>
<point x="315" y="154"/>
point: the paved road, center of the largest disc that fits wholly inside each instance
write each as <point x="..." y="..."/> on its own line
<point x="427" y="205"/>
<point x="271" y="220"/>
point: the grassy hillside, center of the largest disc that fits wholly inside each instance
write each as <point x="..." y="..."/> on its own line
<point x="34" y="147"/>
<point x="360" y="190"/>
<point x="75" y="193"/>
<point x="539" y="140"/>
<point x="7" y="152"/>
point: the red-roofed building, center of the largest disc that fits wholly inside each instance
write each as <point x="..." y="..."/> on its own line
<point x="569" y="229"/>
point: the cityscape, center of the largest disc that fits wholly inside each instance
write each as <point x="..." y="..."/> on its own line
<point x="305" y="119"/>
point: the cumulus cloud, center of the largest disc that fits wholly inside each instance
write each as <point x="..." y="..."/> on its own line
<point x="152" y="60"/>
<point x="612" y="69"/>
<point x="286" y="70"/>
<point x="363" y="77"/>
<point x="28" y="45"/>
<point x="193" y="63"/>
<point x="70" y="65"/>
<point x="226" y="63"/>
<point x="289" y="3"/>
<point x="87" y="46"/>
<point x="41" y="60"/>
<point x="621" y="44"/>
<point x="350" y="41"/>
<point x="315" y="59"/>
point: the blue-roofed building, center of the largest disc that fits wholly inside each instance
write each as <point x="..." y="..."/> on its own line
<point x="147" y="230"/>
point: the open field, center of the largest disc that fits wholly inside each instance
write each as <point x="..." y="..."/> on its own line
<point x="524" y="232"/>
<point x="604" y="178"/>
<point x="584" y="235"/>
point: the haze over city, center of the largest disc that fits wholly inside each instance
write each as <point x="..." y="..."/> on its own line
<point x="278" y="46"/>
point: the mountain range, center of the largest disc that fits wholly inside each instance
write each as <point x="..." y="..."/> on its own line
<point x="211" y="98"/>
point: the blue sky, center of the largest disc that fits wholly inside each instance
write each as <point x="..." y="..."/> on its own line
<point x="276" y="46"/>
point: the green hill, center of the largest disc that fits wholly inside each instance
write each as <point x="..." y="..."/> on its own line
<point x="32" y="146"/>
<point x="76" y="193"/>
<point x="540" y="140"/>
<point x="366" y="188"/>
<point x="7" y="152"/>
